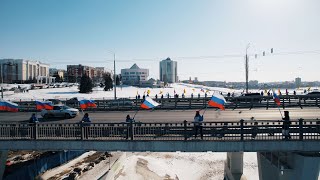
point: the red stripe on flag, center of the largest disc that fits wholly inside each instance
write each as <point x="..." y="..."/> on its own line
<point x="214" y="104"/>
<point x="144" y="106"/>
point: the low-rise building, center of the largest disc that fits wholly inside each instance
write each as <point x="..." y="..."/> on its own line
<point x="75" y="72"/>
<point x="134" y="75"/>
<point x="23" y="71"/>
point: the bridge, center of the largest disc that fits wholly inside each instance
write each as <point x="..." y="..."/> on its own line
<point x="278" y="158"/>
<point x="250" y="102"/>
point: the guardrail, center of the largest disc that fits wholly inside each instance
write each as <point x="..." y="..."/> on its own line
<point x="195" y="103"/>
<point x="300" y="130"/>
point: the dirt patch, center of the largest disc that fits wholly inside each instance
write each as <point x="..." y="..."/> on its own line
<point x="144" y="171"/>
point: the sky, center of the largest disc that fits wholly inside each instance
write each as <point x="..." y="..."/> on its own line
<point x="208" y="38"/>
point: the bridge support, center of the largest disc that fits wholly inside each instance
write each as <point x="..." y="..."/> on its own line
<point x="288" y="166"/>
<point x="233" y="169"/>
<point x="3" y="160"/>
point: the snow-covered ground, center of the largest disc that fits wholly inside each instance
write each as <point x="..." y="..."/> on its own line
<point x="186" y="166"/>
<point x="122" y="92"/>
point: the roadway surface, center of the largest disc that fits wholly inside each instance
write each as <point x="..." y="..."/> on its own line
<point x="211" y="115"/>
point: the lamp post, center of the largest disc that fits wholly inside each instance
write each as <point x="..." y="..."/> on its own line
<point x="114" y="77"/>
<point x="247" y="65"/>
<point x="247" y="68"/>
<point x="114" y="74"/>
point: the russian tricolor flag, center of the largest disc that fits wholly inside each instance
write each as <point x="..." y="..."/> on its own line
<point x="44" y="105"/>
<point x="8" y="106"/>
<point x="149" y="103"/>
<point x="84" y="104"/>
<point x="217" y="101"/>
<point x="276" y="98"/>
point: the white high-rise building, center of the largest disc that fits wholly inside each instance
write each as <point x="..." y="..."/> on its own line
<point x="168" y="71"/>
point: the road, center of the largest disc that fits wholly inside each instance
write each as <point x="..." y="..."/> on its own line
<point x="211" y="115"/>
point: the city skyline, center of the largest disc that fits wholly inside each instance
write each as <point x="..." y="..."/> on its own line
<point x="208" y="39"/>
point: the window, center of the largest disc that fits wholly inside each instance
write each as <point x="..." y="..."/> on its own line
<point x="56" y="108"/>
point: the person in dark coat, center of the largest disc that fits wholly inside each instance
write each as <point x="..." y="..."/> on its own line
<point x="86" y="118"/>
<point x="254" y="130"/>
<point x="286" y="125"/>
<point x="198" y="124"/>
<point x="33" y="118"/>
<point x="129" y="120"/>
<point x="85" y="122"/>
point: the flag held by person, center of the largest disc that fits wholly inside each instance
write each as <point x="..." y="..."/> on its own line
<point x="148" y="103"/>
<point x="85" y="103"/>
<point x="276" y="98"/>
<point x="217" y="101"/>
<point x="44" y="105"/>
<point x="8" y="106"/>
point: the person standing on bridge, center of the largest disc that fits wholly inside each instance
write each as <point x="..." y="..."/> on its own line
<point x="198" y="124"/>
<point x="33" y="118"/>
<point x="129" y="121"/>
<point x="86" y="118"/>
<point x="85" y="121"/>
<point x="286" y="125"/>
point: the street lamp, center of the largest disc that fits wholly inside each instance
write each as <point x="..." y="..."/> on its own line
<point x="114" y="74"/>
<point x="247" y="68"/>
<point x="247" y="65"/>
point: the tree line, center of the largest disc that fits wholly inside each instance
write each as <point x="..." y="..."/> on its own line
<point x="86" y="83"/>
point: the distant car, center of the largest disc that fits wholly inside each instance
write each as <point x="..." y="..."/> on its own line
<point x="314" y="93"/>
<point x="60" y="111"/>
<point x="121" y="102"/>
<point x="256" y="97"/>
<point x="72" y="101"/>
<point x="54" y="101"/>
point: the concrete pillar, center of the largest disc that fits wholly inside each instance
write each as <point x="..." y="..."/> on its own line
<point x="288" y="166"/>
<point x="3" y="160"/>
<point x="233" y="169"/>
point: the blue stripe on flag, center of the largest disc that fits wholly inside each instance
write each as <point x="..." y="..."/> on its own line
<point x="217" y="100"/>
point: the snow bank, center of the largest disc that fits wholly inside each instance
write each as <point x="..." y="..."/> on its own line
<point x="185" y="166"/>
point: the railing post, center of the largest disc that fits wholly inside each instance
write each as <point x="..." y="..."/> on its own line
<point x="300" y="102"/>
<point x="267" y="102"/>
<point x="35" y="131"/>
<point x="283" y="107"/>
<point x="185" y="130"/>
<point x="241" y="129"/>
<point x="175" y="102"/>
<point x="131" y="131"/>
<point x="300" y="129"/>
<point x="82" y="131"/>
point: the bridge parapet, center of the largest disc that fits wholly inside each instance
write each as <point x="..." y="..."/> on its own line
<point x="212" y="131"/>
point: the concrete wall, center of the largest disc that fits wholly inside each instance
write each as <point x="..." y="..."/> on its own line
<point x="163" y="146"/>
<point x="289" y="166"/>
<point x="3" y="160"/>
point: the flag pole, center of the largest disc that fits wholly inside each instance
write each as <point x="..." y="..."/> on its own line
<point x="280" y="112"/>
<point x="276" y="103"/>
<point x="205" y="110"/>
<point x="135" y="114"/>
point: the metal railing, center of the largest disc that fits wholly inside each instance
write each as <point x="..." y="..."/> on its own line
<point x="194" y="103"/>
<point x="242" y="130"/>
